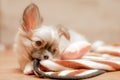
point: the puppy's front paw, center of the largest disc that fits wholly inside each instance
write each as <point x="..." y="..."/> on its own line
<point x="28" y="69"/>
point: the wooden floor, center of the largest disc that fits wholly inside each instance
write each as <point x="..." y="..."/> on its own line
<point x="9" y="70"/>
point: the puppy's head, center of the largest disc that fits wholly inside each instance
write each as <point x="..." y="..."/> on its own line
<point x="44" y="40"/>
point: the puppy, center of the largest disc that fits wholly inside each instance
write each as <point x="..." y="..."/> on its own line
<point x="35" y="40"/>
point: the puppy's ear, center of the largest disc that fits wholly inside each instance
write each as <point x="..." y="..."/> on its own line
<point x="31" y="18"/>
<point x="63" y="31"/>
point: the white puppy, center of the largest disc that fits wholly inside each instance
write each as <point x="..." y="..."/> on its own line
<point x="35" y="40"/>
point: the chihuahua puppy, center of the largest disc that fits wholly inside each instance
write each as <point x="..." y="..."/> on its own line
<point x="35" y="40"/>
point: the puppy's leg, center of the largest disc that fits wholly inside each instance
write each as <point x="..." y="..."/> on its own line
<point x="28" y="68"/>
<point x="24" y="60"/>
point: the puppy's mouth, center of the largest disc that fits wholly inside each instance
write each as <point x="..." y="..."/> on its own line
<point x="41" y="54"/>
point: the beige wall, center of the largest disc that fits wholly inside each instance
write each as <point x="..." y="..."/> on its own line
<point x="95" y="19"/>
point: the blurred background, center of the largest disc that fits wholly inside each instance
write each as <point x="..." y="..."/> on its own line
<point x="95" y="19"/>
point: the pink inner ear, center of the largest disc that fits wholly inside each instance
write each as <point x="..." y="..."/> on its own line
<point x="30" y="20"/>
<point x="28" y="28"/>
<point x="31" y="17"/>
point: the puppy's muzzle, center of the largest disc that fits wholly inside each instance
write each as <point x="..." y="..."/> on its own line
<point x="41" y="54"/>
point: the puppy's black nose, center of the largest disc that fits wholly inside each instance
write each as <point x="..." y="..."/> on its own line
<point x="46" y="57"/>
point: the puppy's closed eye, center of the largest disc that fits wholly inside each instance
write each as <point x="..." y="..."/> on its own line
<point x="52" y="50"/>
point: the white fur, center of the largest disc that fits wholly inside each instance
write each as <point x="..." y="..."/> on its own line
<point x="32" y="30"/>
<point x="23" y="45"/>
